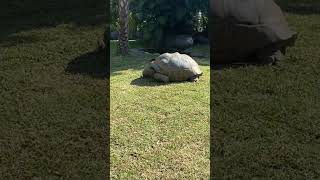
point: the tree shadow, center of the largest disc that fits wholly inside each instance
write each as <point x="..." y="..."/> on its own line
<point x="301" y="8"/>
<point x="17" y="39"/>
<point x="19" y="15"/>
<point x="92" y="64"/>
<point x="202" y="61"/>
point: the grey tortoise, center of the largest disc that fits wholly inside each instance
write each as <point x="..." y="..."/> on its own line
<point x="173" y="67"/>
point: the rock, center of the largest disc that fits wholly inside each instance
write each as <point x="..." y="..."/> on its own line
<point x="179" y="42"/>
<point x="200" y="39"/>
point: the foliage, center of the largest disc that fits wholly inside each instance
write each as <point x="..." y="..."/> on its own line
<point x="156" y="18"/>
<point x="113" y="14"/>
<point x="114" y="26"/>
<point x="160" y="17"/>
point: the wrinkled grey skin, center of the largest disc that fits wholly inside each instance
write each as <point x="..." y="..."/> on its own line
<point x="170" y="67"/>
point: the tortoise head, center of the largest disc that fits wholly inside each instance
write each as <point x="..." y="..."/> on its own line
<point x="148" y="71"/>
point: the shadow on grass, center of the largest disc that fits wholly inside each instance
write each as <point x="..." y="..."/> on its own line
<point x="141" y="81"/>
<point x="93" y="64"/>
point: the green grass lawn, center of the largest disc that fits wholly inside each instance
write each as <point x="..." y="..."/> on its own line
<point x="158" y="131"/>
<point x="266" y="120"/>
<point x="52" y="112"/>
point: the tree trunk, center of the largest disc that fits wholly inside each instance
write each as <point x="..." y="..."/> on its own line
<point x="123" y="27"/>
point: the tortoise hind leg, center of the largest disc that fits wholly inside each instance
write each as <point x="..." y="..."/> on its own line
<point x="278" y="55"/>
<point x="161" y="77"/>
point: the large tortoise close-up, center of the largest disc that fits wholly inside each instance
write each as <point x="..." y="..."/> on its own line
<point x="248" y="30"/>
<point x="170" y="67"/>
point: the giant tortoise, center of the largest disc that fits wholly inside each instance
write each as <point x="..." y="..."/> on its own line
<point x="170" y="67"/>
<point x="248" y="30"/>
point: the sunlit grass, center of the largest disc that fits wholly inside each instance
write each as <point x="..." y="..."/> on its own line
<point x="158" y="130"/>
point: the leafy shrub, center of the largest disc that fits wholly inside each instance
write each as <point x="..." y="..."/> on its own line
<point x="160" y="18"/>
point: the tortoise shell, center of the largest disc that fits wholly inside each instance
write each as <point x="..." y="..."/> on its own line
<point x="240" y="28"/>
<point x="176" y="66"/>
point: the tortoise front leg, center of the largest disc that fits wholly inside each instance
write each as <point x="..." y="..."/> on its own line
<point x="148" y="71"/>
<point x="161" y="77"/>
<point x="270" y="57"/>
<point x="155" y="67"/>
